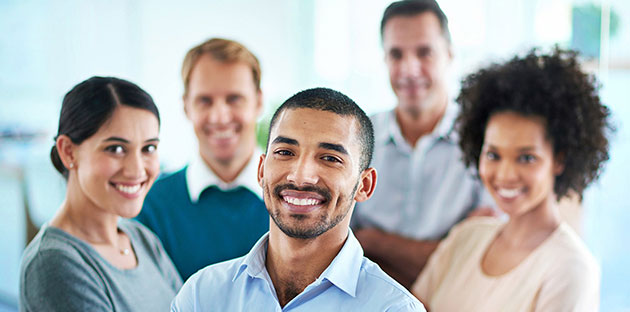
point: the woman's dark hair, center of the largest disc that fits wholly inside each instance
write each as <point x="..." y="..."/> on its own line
<point x="90" y="104"/>
<point x="551" y="86"/>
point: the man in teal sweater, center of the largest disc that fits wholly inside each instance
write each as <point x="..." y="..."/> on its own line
<point x="212" y="210"/>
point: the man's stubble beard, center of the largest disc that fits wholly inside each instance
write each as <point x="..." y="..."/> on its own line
<point x="320" y="227"/>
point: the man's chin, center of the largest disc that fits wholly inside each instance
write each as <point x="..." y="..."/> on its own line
<point x="296" y="228"/>
<point x="414" y="99"/>
<point x="221" y="156"/>
<point x="299" y="233"/>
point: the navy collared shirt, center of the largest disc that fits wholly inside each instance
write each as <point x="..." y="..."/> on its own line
<point x="350" y="283"/>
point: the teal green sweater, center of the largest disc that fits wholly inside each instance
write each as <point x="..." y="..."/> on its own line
<point x="222" y="225"/>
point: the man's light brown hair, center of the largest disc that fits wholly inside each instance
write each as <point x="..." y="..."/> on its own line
<point x="222" y="50"/>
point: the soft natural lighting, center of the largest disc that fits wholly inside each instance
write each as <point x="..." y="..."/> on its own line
<point x="46" y="47"/>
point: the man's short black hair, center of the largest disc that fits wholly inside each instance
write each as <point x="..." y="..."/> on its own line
<point x="414" y="7"/>
<point x="329" y="100"/>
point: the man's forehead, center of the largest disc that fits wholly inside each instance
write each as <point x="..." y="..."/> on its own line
<point x="302" y="115"/>
<point x="303" y="124"/>
<point x="209" y="69"/>
<point x="402" y="29"/>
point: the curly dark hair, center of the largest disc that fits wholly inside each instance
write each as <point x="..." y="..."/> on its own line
<point x="551" y="86"/>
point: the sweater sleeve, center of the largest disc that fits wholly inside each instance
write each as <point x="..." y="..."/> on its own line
<point x="56" y="280"/>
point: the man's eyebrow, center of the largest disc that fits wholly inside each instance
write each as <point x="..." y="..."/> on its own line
<point x="285" y="140"/>
<point x="335" y="147"/>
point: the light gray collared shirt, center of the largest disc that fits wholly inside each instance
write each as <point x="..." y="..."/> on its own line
<point x="421" y="191"/>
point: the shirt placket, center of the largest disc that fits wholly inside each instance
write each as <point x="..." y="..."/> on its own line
<point x="416" y="183"/>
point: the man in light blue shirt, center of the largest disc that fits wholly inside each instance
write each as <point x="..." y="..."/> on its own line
<point x="424" y="188"/>
<point x="314" y="171"/>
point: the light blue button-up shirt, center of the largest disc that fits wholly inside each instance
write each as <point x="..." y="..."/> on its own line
<point x="350" y="283"/>
<point x="423" y="190"/>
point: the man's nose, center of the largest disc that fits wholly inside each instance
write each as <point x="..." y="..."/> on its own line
<point x="304" y="172"/>
<point x="219" y="113"/>
<point x="410" y="66"/>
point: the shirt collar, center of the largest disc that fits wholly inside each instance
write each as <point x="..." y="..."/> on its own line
<point x="199" y="177"/>
<point x="343" y="271"/>
<point x="443" y="130"/>
<point x="254" y="261"/>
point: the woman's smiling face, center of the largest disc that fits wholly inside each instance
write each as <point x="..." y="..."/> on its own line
<point x="517" y="163"/>
<point x="115" y="167"/>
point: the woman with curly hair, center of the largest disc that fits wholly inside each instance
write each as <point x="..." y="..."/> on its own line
<point x="536" y="129"/>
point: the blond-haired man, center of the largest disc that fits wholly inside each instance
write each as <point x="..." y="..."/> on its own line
<point x="212" y="209"/>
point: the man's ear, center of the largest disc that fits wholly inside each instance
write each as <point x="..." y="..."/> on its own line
<point x="451" y="53"/>
<point x="66" y="150"/>
<point x="261" y="169"/>
<point x="367" y="184"/>
<point x="259" y="103"/>
<point x="185" y="102"/>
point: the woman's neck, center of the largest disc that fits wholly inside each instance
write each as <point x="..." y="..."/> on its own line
<point x="80" y="217"/>
<point x="534" y="226"/>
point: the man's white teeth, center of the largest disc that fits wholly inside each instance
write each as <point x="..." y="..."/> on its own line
<point x="509" y="193"/>
<point x="301" y="202"/>
<point x="223" y="134"/>
<point x="128" y="189"/>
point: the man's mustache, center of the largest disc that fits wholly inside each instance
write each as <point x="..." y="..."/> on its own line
<point x="309" y="188"/>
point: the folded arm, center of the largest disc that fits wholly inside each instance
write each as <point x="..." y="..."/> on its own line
<point x="400" y="257"/>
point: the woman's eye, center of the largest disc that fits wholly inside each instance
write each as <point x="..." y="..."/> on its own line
<point x="527" y="158"/>
<point x="150" y="149"/>
<point x="492" y="155"/>
<point x="115" y="149"/>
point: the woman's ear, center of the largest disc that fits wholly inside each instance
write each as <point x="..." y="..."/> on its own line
<point x="66" y="150"/>
<point x="558" y="164"/>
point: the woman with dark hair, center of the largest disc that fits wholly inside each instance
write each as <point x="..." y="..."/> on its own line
<point x="89" y="257"/>
<point x="537" y="131"/>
